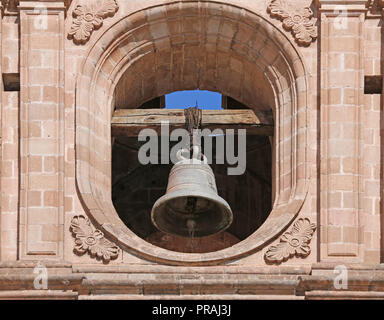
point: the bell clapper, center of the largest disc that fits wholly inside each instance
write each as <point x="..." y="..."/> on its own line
<point x="191" y="205"/>
<point x="191" y="225"/>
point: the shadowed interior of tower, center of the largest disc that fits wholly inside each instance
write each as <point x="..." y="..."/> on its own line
<point x="137" y="187"/>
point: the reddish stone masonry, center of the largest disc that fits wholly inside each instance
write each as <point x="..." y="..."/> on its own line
<point x="312" y="66"/>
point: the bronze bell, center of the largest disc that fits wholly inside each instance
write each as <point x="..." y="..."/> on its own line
<point x="191" y="206"/>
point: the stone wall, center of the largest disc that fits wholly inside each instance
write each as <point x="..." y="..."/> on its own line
<point x="308" y="62"/>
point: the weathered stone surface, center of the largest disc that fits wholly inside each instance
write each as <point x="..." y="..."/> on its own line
<point x="309" y="74"/>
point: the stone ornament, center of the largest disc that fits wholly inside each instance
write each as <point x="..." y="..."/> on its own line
<point x="91" y="240"/>
<point x="293" y="243"/>
<point x="298" y="20"/>
<point x="87" y="19"/>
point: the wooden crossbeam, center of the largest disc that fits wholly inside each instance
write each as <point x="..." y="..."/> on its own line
<point x="129" y="122"/>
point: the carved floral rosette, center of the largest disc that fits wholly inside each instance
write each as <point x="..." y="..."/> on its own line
<point x="298" y="20"/>
<point x="87" y="19"/>
<point x="88" y="239"/>
<point x="292" y="243"/>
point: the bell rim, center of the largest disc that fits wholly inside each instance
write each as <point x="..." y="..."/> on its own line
<point x="195" y="193"/>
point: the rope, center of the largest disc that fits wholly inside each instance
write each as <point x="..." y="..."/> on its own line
<point x="193" y="121"/>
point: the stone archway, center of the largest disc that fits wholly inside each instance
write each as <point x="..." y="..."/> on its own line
<point x="141" y="36"/>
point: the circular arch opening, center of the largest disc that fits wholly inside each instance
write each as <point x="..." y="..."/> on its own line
<point x="236" y="37"/>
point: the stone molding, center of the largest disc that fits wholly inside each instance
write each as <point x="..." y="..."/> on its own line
<point x="292" y="243"/>
<point x="349" y="5"/>
<point x="350" y="8"/>
<point x="363" y="282"/>
<point x="91" y="240"/>
<point x="297" y="20"/>
<point x="11" y="7"/>
<point x="86" y="19"/>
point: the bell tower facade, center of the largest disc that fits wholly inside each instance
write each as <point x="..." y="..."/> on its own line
<point x="82" y="79"/>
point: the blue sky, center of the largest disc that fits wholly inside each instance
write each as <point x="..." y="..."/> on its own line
<point x="185" y="99"/>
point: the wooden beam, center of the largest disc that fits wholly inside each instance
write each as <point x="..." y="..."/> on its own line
<point x="129" y="122"/>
